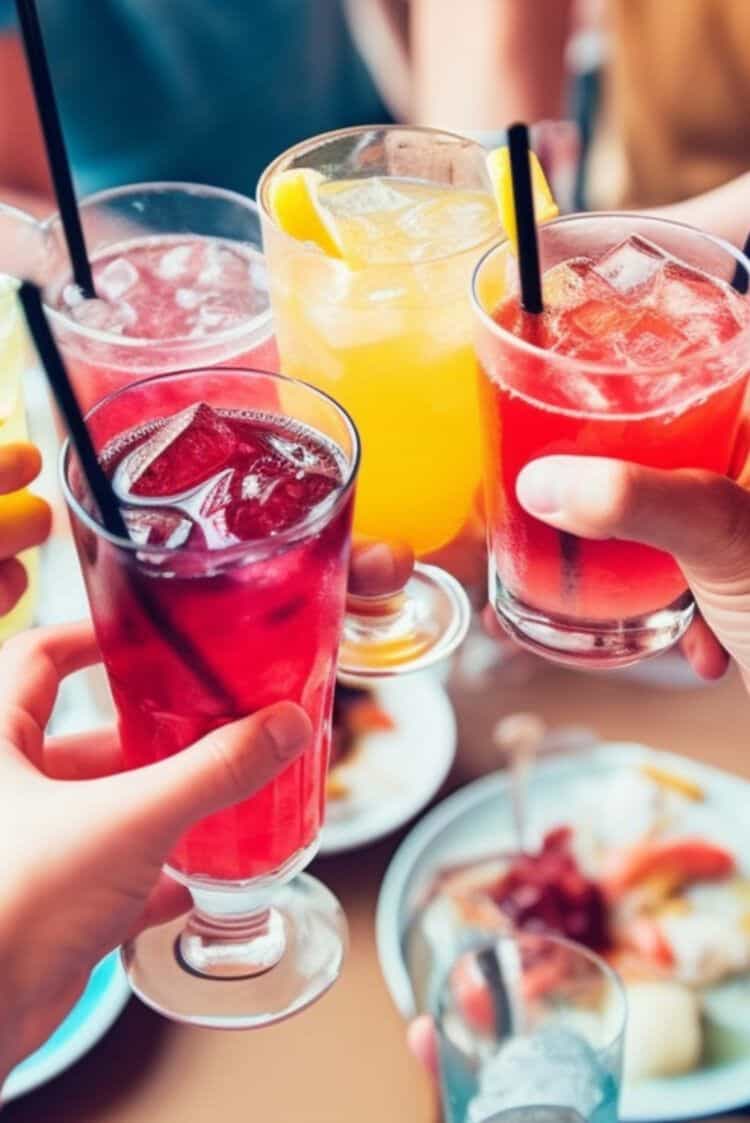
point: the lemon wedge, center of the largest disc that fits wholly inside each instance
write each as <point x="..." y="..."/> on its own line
<point x="293" y="202"/>
<point x="545" y="207"/>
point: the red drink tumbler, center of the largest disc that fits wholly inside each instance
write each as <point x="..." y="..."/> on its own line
<point x="641" y="354"/>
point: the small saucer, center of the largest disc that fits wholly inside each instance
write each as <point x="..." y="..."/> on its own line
<point x="392" y="774"/>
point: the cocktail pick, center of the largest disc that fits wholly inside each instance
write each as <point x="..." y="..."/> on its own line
<point x="741" y="279"/>
<point x="54" y="141"/>
<point x="109" y="509"/>
<point x="523" y="202"/>
<point x="519" y="738"/>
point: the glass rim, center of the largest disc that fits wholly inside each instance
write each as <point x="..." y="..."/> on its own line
<point x="258" y="549"/>
<point x="139" y="342"/>
<point x="589" y="366"/>
<point x="605" y="970"/>
<point x="10" y="211"/>
<point x="309" y="145"/>
<point x="17" y="212"/>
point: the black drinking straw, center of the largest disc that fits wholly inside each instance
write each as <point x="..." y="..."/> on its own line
<point x="523" y="203"/>
<point x="106" y="500"/>
<point x="100" y="487"/>
<point x="54" y="141"/>
<point x="531" y="292"/>
<point x="741" y="280"/>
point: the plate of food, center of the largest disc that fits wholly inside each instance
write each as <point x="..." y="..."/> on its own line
<point x="392" y="748"/>
<point x="102" y="1002"/>
<point x="642" y="856"/>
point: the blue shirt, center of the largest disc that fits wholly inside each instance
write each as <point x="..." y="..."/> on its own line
<point x="202" y="90"/>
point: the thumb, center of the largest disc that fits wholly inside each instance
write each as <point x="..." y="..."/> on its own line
<point x="702" y="519"/>
<point x="224" y="767"/>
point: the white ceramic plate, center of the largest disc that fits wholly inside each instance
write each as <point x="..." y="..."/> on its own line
<point x="395" y="773"/>
<point x="476" y="820"/>
<point x="98" y="1007"/>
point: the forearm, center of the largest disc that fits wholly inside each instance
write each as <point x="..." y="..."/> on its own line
<point x="380" y="30"/>
<point x="480" y="66"/>
<point x="724" y="211"/>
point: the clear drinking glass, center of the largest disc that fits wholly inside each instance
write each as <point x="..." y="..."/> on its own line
<point x="192" y="638"/>
<point x="181" y="281"/>
<point x="21" y="254"/>
<point x="387" y="330"/>
<point x="530" y="1030"/>
<point x="605" y="603"/>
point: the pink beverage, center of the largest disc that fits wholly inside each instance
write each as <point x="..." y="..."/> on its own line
<point x="180" y="282"/>
<point x="231" y="599"/>
<point x="641" y="355"/>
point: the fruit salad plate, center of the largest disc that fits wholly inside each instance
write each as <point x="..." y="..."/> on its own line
<point x="659" y="845"/>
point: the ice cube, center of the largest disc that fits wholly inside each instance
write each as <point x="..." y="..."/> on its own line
<point x="211" y="272"/>
<point x="184" y="452"/>
<point x="174" y="262"/>
<point x="72" y="296"/>
<point x="157" y="528"/>
<point x="553" y="1067"/>
<point x="296" y="454"/>
<point x="100" y="315"/>
<point x="653" y="339"/>
<point x="597" y="319"/>
<point x="632" y="266"/>
<point x="116" y="278"/>
<point x="365" y="197"/>
<point x="188" y="299"/>
<point x="214" y="316"/>
<point x="562" y="286"/>
<point x="447" y="223"/>
<point x="272" y="500"/>
<point x="688" y="292"/>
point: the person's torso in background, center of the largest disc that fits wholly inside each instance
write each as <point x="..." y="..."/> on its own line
<point x="677" y="99"/>
<point x="202" y="90"/>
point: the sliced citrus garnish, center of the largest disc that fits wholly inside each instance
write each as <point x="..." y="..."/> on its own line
<point x="294" y="204"/>
<point x="545" y="207"/>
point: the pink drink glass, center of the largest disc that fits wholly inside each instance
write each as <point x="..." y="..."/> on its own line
<point x="194" y="636"/>
<point x="181" y="278"/>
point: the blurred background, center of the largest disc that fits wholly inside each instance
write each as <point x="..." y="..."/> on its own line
<point x="185" y="89"/>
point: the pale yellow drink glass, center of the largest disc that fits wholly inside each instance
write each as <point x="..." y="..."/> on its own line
<point x="20" y="256"/>
<point x="387" y="332"/>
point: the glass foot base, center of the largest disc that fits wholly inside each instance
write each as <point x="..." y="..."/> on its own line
<point x="592" y="644"/>
<point x="409" y="632"/>
<point x="228" y="975"/>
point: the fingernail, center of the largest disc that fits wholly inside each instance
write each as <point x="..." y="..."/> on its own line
<point x="540" y="485"/>
<point x="289" y="729"/>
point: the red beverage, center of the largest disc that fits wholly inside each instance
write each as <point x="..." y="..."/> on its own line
<point x="232" y="600"/>
<point x="180" y="283"/>
<point x="638" y="356"/>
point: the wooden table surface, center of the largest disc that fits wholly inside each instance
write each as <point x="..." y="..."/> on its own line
<point x="344" y="1060"/>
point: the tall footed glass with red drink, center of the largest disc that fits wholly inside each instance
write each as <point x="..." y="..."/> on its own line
<point x="642" y="354"/>
<point x="237" y="491"/>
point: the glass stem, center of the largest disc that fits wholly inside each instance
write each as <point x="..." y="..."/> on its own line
<point x="224" y="939"/>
